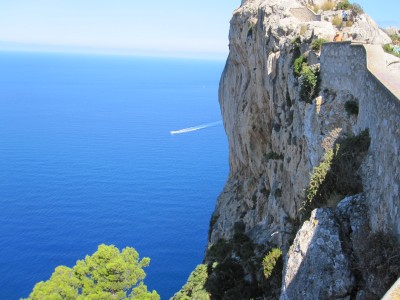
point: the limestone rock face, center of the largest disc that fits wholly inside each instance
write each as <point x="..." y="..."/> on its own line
<point x="366" y="29"/>
<point x="277" y="137"/>
<point x="317" y="262"/>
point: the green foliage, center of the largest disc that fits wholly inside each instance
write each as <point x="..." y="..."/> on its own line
<point x="317" y="44"/>
<point x="270" y="261"/>
<point x="390" y="49"/>
<point x="107" y="274"/>
<point x="310" y="78"/>
<point x="337" y="174"/>
<point x="228" y="262"/>
<point x="310" y="83"/>
<point x="227" y="282"/>
<point x="194" y="288"/>
<point x="351" y="107"/>
<point x="317" y="178"/>
<point x="344" y="5"/>
<point x="298" y="65"/>
<point x="327" y="5"/>
<point x="273" y="155"/>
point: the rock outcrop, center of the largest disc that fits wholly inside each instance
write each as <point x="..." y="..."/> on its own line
<point x="306" y="131"/>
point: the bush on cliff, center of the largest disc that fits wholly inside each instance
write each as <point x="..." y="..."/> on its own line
<point x="344" y="5"/>
<point x="270" y="261"/>
<point x="194" y="288"/>
<point x="309" y="88"/>
<point x="298" y="65"/>
<point x="107" y="274"/>
<point x="337" y="174"/>
<point x="317" y="44"/>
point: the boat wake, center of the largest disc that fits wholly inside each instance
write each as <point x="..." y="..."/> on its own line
<point x="195" y="128"/>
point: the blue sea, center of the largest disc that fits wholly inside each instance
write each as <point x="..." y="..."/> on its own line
<point x="87" y="157"/>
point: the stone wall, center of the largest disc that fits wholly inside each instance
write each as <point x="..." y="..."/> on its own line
<point x="303" y="14"/>
<point x="360" y="70"/>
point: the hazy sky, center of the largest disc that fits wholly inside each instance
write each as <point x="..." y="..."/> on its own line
<point x="179" y="27"/>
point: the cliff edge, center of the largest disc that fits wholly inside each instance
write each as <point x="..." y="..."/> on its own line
<point x="313" y="139"/>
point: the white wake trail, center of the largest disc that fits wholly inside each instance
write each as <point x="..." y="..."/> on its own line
<point x="194" y="128"/>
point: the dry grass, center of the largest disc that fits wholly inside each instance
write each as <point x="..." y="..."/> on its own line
<point x="303" y="29"/>
<point x="327" y="5"/>
<point x="337" y="21"/>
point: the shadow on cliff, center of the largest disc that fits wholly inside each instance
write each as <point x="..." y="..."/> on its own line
<point x="235" y="272"/>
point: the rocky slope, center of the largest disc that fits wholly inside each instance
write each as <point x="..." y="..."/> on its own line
<point x="295" y="144"/>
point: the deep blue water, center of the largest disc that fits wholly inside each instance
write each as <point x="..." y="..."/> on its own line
<point x="86" y="157"/>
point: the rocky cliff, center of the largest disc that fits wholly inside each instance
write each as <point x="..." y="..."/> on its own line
<point x="313" y="147"/>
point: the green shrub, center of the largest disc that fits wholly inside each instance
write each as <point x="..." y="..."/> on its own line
<point x="317" y="179"/>
<point x="194" y="287"/>
<point x="270" y="261"/>
<point x="317" y="44"/>
<point x="349" y="23"/>
<point x="351" y="107"/>
<point x="298" y="65"/>
<point x="327" y="5"/>
<point x="390" y="49"/>
<point x="316" y="8"/>
<point x="310" y="83"/>
<point x="226" y="281"/>
<point x="337" y="174"/>
<point x="344" y="5"/>
<point x="107" y="274"/>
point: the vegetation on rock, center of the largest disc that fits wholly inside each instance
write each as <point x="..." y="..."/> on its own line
<point x="194" y="288"/>
<point x="310" y="81"/>
<point x="107" y="274"/>
<point x="298" y="65"/>
<point x="391" y="49"/>
<point x="344" y="5"/>
<point x="317" y="44"/>
<point x="309" y="76"/>
<point x="337" y="174"/>
<point x="327" y="5"/>
<point x="270" y="261"/>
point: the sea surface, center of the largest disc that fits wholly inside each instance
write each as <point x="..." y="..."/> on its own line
<point x="87" y="157"/>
